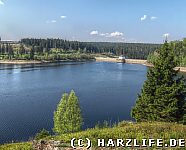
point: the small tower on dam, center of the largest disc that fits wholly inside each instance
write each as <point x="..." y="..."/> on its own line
<point x="121" y="59"/>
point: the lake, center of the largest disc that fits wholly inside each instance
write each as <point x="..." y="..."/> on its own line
<point x="29" y="94"/>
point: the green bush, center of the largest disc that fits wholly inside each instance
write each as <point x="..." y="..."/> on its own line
<point x="42" y="134"/>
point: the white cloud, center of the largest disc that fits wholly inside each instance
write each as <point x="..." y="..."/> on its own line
<point x="94" y="33"/>
<point x="144" y="18"/>
<point x="63" y="17"/>
<point x="153" y="18"/>
<point x="116" y="34"/>
<point x="102" y="34"/>
<point x="1" y="2"/>
<point x="51" y="21"/>
<point x="112" y="34"/>
<point x="105" y="34"/>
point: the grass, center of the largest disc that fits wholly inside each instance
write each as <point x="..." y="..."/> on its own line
<point x="17" y="146"/>
<point x="125" y="130"/>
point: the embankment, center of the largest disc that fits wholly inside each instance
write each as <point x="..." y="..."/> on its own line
<point x="133" y="61"/>
<point x="130" y="61"/>
<point x="20" y="62"/>
<point x="26" y="62"/>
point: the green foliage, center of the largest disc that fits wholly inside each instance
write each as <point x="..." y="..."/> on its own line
<point x="20" y="51"/>
<point x="67" y="117"/>
<point x="42" y="134"/>
<point x="60" y="119"/>
<point x="179" y="49"/>
<point x="32" y="53"/>
<point x="98" y="125"/>
<point x="105" y="124"/>
<point x="163" y="95"/>
<point x="17" y="146"/>
<point x="151" y="58"/>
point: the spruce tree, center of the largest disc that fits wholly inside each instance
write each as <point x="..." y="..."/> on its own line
<point x="32" y="53"/>
<point x="67" y="117"/>
<point x="163" y="94"/>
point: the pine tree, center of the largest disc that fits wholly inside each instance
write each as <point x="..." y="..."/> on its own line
<point x="67" y="117"/>
<point x="32" y="53"/>
<point x="163" y="94"/>
<point x="10" y="52"/>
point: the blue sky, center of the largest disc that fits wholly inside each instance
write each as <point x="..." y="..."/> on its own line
<point x="94" y="20"/>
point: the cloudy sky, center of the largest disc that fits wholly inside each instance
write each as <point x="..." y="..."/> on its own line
<point x="94" y="20"/>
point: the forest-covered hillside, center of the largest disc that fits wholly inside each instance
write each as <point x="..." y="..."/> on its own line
<point x="130" y="50"/>
<point x="59" y="49"/>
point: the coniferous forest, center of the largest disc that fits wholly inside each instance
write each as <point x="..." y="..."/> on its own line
<point x="59" y="49"/>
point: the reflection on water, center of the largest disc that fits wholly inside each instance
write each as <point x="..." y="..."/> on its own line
<point x="29" y="67"/>
<point x="29" y="94"/>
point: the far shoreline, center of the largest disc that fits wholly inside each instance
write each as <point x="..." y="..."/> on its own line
<point x="30" y="62"/>
<point x="133" y="61"/>
<point x="97" y="59"/>
<point x="20" y="62"/>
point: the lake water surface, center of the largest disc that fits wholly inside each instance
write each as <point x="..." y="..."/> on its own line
<point x="29" y="94"/>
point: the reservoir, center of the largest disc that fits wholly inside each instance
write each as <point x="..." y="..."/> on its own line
<point x="29" y="94"/>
